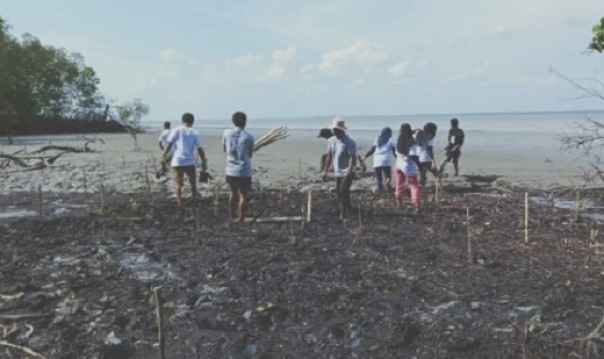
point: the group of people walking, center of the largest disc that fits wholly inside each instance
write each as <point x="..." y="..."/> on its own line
<point x="412" y="149"/>
<point x="180" y="144"/>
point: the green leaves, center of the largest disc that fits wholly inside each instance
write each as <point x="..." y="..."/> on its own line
<point x="597" y="41"/>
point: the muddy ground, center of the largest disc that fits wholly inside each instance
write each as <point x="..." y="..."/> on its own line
<point x="384" y="284"/>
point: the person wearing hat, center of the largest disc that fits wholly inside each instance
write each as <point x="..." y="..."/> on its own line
<point x="453" y="149"/>
<point x="342" y="154"/>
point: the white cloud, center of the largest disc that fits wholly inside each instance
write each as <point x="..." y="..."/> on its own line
<point x="281" y="57"/>
<point x="361" y="53"/>
<point x="498" y="32"/>
<point x="170" y="56"/>
<point x="470" y="72"/>
<point x="398" y="69"/>
<point x="242" y="62"/>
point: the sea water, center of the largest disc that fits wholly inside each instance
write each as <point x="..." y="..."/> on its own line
<point x="523" y="147"/>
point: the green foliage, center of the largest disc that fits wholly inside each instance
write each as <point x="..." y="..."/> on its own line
<point x="131" y="113"/>
<point x="40" y="82"/>
<point x="597" y="40"/>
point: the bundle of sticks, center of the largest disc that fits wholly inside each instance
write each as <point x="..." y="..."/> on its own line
<point x="274" y="135"/>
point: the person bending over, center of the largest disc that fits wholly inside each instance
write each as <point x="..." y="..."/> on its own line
<point x="185" y="141"/>
<point x="382" y="150"/>
<point x="453" y="148"/>
<point x="238" y="145"/>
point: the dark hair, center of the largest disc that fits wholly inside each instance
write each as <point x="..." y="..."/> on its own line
<point x="454" y="122"/>
<point x="167" y="125"/>
<point x="325" y="133"/>
<point x="430" y="128"/>
<point x="239" y="119"/>
<point x="188" y="118"/>
<point x="405" y="139"/>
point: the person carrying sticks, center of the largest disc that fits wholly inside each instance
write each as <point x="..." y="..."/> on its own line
<point x="342" y="153"/>
<point x="185" y="140"/>
<point x="238" y="145"/>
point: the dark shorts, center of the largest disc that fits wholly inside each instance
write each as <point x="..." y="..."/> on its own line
<point x="453" y="154"/>
<point x="178" y="173"/>
<point x="239" y="184"/>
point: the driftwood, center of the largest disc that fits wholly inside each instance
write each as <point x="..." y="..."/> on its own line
<point x="4" y="343"/>
<point x="276" y="219"/>
<point x="14" y="317"/>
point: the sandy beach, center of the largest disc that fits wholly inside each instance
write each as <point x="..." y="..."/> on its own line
<point x="292" y="162"/>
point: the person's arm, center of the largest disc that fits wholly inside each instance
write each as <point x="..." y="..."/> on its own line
<point x="161" y="145"/>
<point x="370" y="152"/>
<point x="167" y="150"/>
<point x="461" y="138"/>
<point x="352" y="159"/>
<point x="251" y="146"/>
<point x="328" y="161"/>
<point x="202" y="155"/>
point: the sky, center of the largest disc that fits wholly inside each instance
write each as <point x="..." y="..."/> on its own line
<point x="274" y="58"/>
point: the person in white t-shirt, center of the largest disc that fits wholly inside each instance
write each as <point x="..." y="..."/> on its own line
<point x="427" y="162"/>
<point x="406" y="167"/>
<point x="185" y="141"/>
<point x="163" y="143"/>
<point x="238" y="146"/>
<point x="382" y="150"/>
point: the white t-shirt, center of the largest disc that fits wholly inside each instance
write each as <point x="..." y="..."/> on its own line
<point x="163" y="139"/>
<point x="185" y="141"/>
<point x="424" y="154"/>
<point x="406" y="164"/>
<point x="382" y="157"/>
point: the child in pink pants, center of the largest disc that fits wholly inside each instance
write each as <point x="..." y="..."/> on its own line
<point x="406" y="167"/>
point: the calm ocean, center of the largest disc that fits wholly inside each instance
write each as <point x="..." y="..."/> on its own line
<point x="522" y="145"/>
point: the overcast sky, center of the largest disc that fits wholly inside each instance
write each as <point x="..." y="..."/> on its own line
<point x="298" y="58"/>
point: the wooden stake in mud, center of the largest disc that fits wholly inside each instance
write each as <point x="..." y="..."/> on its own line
<point x="436" y="190"/>
<point x="309" y="207"/>
<point x="148" y="183"/>
<point x="470" y="255"/>
<point x="160" y="323"/>
<point x="40" y="201"/>
<point x="85" y="182"/>
<point x="526" y="218"/>
<point x="300" y="165"/>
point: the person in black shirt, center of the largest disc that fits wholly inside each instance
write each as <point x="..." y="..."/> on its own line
<point x="453" y="148"/>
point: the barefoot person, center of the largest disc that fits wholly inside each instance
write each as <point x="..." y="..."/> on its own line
<point x="406" y="167"/>
<point x="427" y="163"/>
<point x="238" y="145"/>
<point x="342" y="153"/>
<point x="453" y="149"/>
<point x="185" y="140"/>
<point x="163" y="143"/>
<point x="382" y="150"/>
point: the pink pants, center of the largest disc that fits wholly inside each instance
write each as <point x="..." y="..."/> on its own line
<point x="400" y="186"/>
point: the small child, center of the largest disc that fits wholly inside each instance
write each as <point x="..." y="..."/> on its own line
<point x="382" y="150"/>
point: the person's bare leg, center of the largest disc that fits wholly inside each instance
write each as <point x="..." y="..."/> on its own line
<point x="233" y="200"/>
<point x="178" y="189"/>
<point x="456" y="165"/>
<point x="192" y="180"/>
<point x="243" y="201"/>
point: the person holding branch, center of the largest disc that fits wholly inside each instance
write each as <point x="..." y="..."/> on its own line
<point x="238" y="145"/>
<point x="453" y="148"/>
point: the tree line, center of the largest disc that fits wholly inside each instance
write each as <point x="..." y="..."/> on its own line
<point x="44" y="89"/>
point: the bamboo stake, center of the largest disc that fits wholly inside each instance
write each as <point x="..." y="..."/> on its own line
<point x="526" y="218"/>
<point x="309" y="207"/>
<point x="470" y="255"/>
<point x="40" y="200"/>
<point x="436" y="191"/>
<point x="85" y="182"/>
<point x="578" y="206"/>
<point x="160" y="323"/>
<point x="148" y="184"/>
